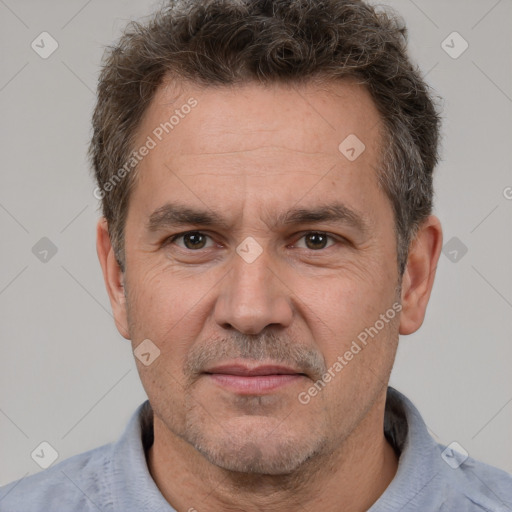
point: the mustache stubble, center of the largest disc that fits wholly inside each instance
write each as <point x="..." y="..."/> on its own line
<point x="268" y="347"/>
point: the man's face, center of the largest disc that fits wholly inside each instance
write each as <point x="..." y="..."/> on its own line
<point x="264" y="282"/>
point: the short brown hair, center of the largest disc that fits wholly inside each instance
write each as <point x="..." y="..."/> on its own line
<point x="220" y="42"/>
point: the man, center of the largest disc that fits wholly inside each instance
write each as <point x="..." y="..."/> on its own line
<point x="265" y="170"/>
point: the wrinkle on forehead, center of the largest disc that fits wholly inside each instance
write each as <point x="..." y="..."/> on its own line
<point x="264" y="161"/>
<point x="279" y="149"/>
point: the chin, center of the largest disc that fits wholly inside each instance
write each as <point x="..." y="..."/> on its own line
<point x="258" y="446"/>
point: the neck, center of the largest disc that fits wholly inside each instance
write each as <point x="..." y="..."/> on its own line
<point x="351" y="478"/>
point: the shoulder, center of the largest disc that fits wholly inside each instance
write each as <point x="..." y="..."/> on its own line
<point x="434" y="476"/>
<point x="79" y="483"/>
<point x="486" y="486"/>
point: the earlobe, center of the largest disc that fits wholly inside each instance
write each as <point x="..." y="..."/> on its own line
<point x="418" y="278"/>
<point x="113" y="277"/>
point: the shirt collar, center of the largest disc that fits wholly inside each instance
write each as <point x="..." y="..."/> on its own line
<point x="133" y="487"/>
<point x="420" y="463"/>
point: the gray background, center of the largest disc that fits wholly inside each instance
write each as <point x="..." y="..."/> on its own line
<point x="66" y="375"/>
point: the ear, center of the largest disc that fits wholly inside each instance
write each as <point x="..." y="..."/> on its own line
<point x="419" y="274"/>
<point x="113" y="277"/>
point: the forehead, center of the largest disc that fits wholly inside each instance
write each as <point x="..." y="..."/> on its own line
<point x="311" y="118"/>
<point x="259" y="141"/>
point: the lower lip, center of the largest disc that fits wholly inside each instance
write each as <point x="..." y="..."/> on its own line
<point x="253" y="385"/>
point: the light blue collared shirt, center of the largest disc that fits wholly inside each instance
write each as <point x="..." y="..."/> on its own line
<point x="115" y="477"/>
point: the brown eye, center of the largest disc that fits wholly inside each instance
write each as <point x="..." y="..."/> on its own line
<point x="316" y="240"/>
<point x="192" y="240"/>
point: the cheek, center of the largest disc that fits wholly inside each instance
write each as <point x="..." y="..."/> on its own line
<point x="153" y="305"/>
<point x="341" y="304"/>
<point x="168" y="310"/>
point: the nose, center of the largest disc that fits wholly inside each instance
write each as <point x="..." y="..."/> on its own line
<point x="252" y="297"/>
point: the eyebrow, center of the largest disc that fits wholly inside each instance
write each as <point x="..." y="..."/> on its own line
<point x="336" y="213"/>
<point x="173" y="215"/>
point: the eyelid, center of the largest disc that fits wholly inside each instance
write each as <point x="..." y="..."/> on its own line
<point x="170" y="239"/>
<point x="297" y="237"/>
<point x="334" y="238"/>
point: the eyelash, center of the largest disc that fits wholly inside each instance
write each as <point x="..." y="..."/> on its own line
<point x="173" y="238"/>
